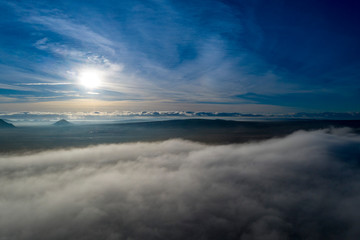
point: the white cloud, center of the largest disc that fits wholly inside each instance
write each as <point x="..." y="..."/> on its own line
<point x="44" y="83"/>
<point x="67" y="28"/>
<point x="303" y="186"/>
<point x="14" y="87"/>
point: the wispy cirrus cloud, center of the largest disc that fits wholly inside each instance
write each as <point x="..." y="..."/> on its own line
<point x="14" y="87"/>
<point x="212" y="53"/>
<point x="43" y="83"/>
<point x="193" y="77"/>
<point x="60" y="49"/>
<point x="66" y="27"/>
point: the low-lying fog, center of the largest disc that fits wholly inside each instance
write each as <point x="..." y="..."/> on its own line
<point x="303" y="186"/>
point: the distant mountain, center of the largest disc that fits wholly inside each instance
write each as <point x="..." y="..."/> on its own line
<point x="4" y="124"/>
<point x="62" y="122"/>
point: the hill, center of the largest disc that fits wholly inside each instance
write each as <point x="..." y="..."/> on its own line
<point x="199" y="130"/>
<point x="62" y="122"/>
<point x="4" y="124"/>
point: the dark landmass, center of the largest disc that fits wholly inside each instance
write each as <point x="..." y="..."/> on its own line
<point x="62" y="122"/>
<point x="33" y="139"/>
<point x="4" y="124"/>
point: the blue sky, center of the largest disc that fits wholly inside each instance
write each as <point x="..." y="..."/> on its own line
<point x="230" y="56"/>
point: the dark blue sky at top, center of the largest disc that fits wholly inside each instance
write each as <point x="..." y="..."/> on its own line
<point x="298" y="54"/>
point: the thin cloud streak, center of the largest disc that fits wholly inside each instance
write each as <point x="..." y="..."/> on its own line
<point x="43" y="83"/>
<point x="67" y="28"/>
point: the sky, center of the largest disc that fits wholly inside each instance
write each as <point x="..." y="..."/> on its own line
<point x="159" y="55"/>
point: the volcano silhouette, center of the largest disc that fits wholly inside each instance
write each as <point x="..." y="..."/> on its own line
<point x="62" y="122"/>
<point x="4" y="124"/>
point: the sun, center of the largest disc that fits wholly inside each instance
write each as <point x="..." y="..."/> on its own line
<point x="90" y="78"/>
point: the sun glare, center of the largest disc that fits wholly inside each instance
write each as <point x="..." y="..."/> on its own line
<point x="90" y="78"/>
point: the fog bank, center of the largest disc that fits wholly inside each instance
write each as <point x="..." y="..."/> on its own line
<point x="303" y="186"/>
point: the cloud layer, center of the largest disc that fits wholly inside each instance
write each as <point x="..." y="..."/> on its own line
<point x="123" y="115"/>
<point x="304" y="186"/>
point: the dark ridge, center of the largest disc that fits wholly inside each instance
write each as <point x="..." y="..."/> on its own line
<point x="4" y="124"/>
<point x="25" y="139"/>
<point x="295" y="124"/>
<point x="62" y="122"/>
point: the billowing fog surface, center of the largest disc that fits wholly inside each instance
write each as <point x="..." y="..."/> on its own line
<point x="302" y="186"/>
